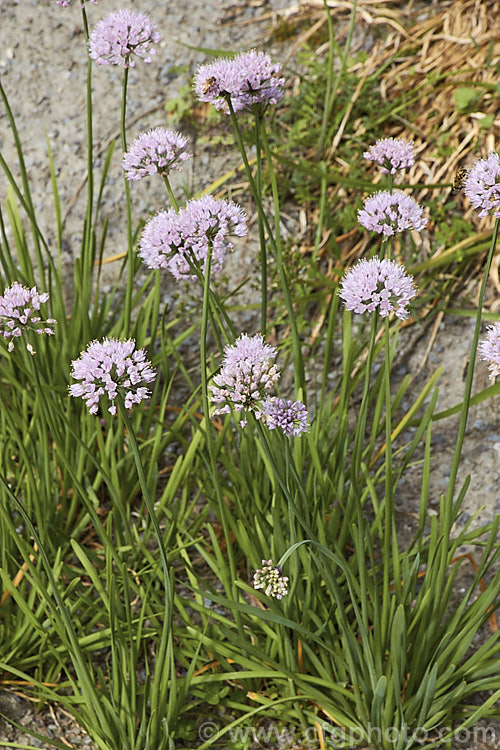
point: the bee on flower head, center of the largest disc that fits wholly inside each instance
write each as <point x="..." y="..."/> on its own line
<point x="208" y="84"/>
<point x="459" y="179"/>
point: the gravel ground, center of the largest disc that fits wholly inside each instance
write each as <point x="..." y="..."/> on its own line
<point x="42" y="67"/>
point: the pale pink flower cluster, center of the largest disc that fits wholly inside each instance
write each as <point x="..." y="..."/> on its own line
<point x="19" y="308"/>
<point x="157" y="151"/>
<point x="482" y="185"/>
<point x="108" y="368"/>
<point x="177" y="239"/>
<point x="247" y="79"/>
<point x="389" y="213"/>
<point x="121" y="36"/>
<point x="489" y="349"/>
<point x="392" y="154"/>
<point x="247" y="377"/>
<point x="380" y="285"/>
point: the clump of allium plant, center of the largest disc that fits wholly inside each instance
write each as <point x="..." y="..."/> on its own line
<point x="18" y="314"/>
<point x="157" y="151"/>
<point x="380" y="285"/>
<point x="245" y="80"/>
<point x="389" y="213"/>
<point x="392" y="154"/>
<point x="110" y="368"/>
<point x="121" y="36"/>
<point x="176" y="240"/>
<point x="270" y="578"/>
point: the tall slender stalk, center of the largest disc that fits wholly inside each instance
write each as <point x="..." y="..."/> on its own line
<point x="298" y="361"/>
<point x="128" y="208"/>
<point x="262" y="235"/>
<point x="275" y="242"/>
<point x="231" y="582"/>
<point x="170" y="192"/>
<point x="389" y="491"/>
<point x="87" y="257"/>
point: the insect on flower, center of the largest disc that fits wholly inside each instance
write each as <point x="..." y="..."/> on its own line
<point x="459" y="180"/>
<point x="209" y="83"/>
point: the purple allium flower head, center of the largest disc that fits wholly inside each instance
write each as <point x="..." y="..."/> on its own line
<point x="157" y="151"/>
<point x="376" y="284"/>
<point x="490" y="350"/>
<point x="170" y="238"/>
<point x="110" y="367"/>
<point x="482" y="185"/>
<point x="392" y="154"/>
<point x="17" y="305"/>
<point x="270" y="578"/>
<point x="246" y="377"/>
<point x="290" y="416"/>
<point x="121" y="35"/>
<point x="246" y="79"/>
<point x="389" y="213"/>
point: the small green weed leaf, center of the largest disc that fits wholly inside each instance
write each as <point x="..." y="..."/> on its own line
<point x="466" y="98"/>
<point x="486" y="122"/>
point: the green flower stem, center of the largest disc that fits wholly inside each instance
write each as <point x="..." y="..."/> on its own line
<point x="322" y="170"/>
<point x="262" y="235"/>
<point x="468" y="384"/>
<point x="389" y="492"/>
<point x="299" y="374"/>
<point x="282" y="482"/>
<point x="230" y="583"/>
<point x="144" y="489"/>
<point x="128" y="205"/>
<point x="88" y="254"/>
<point x="216" y="309"/>
<point x="171" y="195"/>
<point x="357" y="451"/>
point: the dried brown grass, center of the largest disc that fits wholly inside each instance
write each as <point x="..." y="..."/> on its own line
<point x="425" y="61"/>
